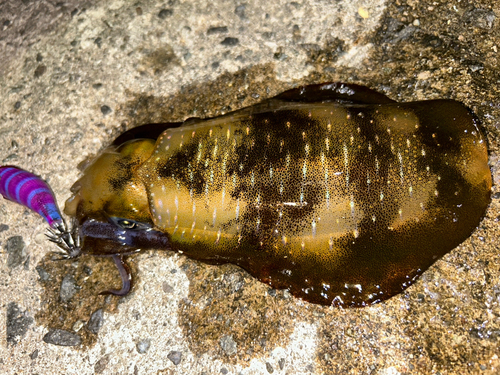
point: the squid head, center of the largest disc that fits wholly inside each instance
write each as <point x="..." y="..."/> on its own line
<point x="110" y="204"/>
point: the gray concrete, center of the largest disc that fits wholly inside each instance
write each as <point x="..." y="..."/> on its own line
<point x="166" y="61"/>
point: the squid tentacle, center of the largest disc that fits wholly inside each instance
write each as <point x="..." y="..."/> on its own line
<point x="125" y="275"/>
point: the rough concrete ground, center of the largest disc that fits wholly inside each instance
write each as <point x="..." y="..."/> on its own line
<point x="74" y="74"/>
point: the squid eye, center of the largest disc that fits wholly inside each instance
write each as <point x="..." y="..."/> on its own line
<point x="126" y="224"/>
<point x="129" y="224"/>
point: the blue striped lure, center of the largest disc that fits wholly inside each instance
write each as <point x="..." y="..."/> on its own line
<point x="32" y="191"/>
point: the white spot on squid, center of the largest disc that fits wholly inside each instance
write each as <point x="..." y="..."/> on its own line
<point x="218" y="236"/>
<point x="313" y="225"/>
<point x="401" y="170"/>
<point x="346" y="164"/>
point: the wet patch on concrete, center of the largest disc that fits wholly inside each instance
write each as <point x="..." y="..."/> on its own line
<point x="71" y="302"/>
<point x="233" y="317"/>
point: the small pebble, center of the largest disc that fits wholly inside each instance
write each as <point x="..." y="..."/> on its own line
<point x="269" y="368"/>
<point x="228" y="344"/>
<point x="281" y="363"/>
<point x="40" y="70"/>
<point x="42" y="273"/>
<point x="143" y="346"/>
<point x="77" y="137"/>
<point x="167" y="288"/>
<point x="164" y="13"/>
<point x="217" y="30"/>
<point x="34" y="355"/>
<point x="68" y="288"/>
<point x="105" y="110"/>
<point x="9" y="158"/>
<point x="240" y="11"/>
<point x="229" y="41"/>
<point x="17" y="323"/>
<point x="62" y="338"/>
<point x="481" y="18"/>
<point x="175" y="357"/>
<point x="101" y="364"/>
<point x="96" y="321"/>
<point x="16" y="248"/>
<point x="78" y="325"/>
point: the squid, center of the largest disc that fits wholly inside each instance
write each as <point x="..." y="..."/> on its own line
<point x="333" y="191"/>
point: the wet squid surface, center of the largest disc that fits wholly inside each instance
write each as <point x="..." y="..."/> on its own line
<point x="333" y="191"/>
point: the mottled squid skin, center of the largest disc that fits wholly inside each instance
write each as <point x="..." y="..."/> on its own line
<point x="332" y="191"/>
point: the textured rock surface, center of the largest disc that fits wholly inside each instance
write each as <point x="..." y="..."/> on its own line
<point x="74" y="74"/>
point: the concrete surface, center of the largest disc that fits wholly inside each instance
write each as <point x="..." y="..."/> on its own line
<point x="74" y="74"/>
